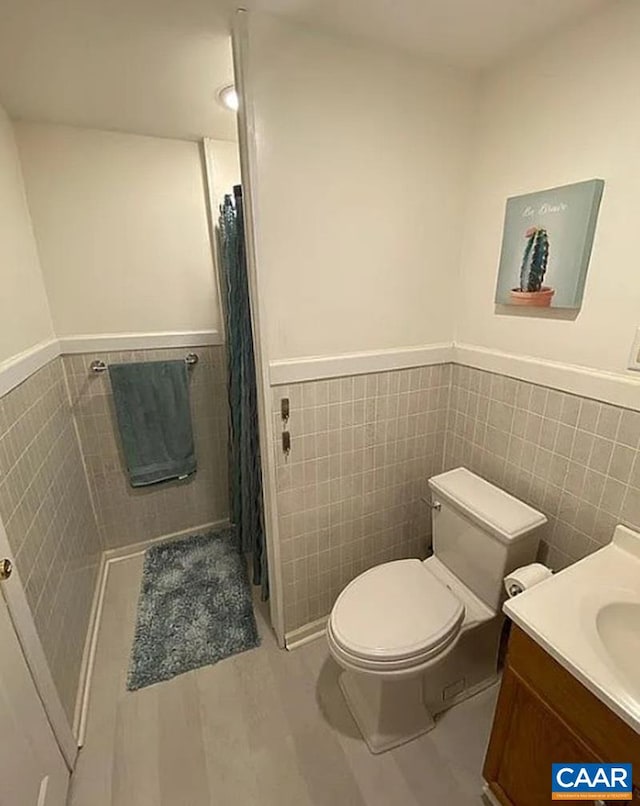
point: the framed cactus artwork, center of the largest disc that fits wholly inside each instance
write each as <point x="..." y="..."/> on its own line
<point x="546" y="246"/>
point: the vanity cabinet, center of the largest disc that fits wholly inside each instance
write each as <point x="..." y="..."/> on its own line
<point x="544" y="716"/>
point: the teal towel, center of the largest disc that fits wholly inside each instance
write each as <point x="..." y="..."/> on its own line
<point x="154" y="419"/>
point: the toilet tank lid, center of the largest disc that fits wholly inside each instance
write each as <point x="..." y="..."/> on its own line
<point x="506" y="517"/>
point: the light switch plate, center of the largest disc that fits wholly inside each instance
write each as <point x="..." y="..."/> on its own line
<point x="634" y="357"/>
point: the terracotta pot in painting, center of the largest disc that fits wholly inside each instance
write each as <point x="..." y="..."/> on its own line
<point x="537" y="299"/>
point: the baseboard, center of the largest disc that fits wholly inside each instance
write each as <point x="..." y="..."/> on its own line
<point x="88" y="649"/>
<point x="305" y="634"/>
<point x="488" y="797"/>
<point x="108" y="558"/>
<point x="89" y="655"/>
<point x="133" y="549"/>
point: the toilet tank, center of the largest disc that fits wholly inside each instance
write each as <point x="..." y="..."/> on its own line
<point x="480" y="532"/>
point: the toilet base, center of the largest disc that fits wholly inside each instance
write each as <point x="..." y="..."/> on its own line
<point x="388" y="713"/>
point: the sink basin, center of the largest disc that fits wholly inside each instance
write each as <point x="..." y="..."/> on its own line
<point x="587" y="617"/>
<point x="618" y="626"/>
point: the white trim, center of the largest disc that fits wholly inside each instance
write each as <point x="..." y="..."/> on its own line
<point x="24" y="625"/>
<point x="311" y="368"/>
<point x="108" y="342"/>
<point x="19" y="367"/>
<point x="608" y="387"/>
<point x="134" y="549"/>
<point x="489" y="798"/>
<point x="89" y="654"/>
<point x="42" y="792"/>
<point x="248" y="167"/>
<point x="307" y="633"/>
<point x="109" y="557"/>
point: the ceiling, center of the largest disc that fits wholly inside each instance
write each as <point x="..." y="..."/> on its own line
<point x="154" y="66"/>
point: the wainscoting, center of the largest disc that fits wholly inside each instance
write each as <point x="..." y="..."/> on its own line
<point x="64" y="494"/>
<point x="128" y="515"/>
<point x="572" y="457"/>
<point x="364" y="445"/>
<point x="45" y="506"/>
<point x="349" y="493"/>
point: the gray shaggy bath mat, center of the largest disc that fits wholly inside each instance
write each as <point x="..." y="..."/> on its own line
<point x="195" y="608"/>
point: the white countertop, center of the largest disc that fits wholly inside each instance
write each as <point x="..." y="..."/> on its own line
<point x="563" y="615"/>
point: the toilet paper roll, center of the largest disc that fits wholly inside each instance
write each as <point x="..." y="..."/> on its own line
<point x="526" y="577"/>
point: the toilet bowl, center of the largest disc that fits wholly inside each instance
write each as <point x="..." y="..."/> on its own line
<point x="415" y="637"/>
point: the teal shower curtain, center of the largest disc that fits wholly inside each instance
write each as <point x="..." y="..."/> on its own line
<point x="245" y="473"/>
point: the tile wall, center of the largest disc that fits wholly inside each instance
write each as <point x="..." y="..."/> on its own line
<point x="349" y="492"/>
<point x="58" y="524"/>
<point x="46" y="509"/>
<point x="127" y="515"/>
<point x="363" y="448"/>
<point x="575" y="459"/>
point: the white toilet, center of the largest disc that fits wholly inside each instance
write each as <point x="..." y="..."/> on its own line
<point x="413" y="637"/>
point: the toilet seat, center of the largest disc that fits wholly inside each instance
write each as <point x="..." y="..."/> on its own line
<point x="395" y="616"/>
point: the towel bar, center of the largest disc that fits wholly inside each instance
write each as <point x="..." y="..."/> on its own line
<point x="99" y="366"/>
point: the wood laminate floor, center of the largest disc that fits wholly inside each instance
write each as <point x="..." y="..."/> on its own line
<point x="267" y="727"/>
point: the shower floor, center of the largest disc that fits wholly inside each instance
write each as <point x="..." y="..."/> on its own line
<point x="266" y="727"/>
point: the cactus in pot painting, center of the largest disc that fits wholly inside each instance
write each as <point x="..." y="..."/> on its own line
<point x="532" y="271"/>
<point x="546" y="247"/>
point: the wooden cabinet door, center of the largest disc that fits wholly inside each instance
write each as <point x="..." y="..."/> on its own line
<point x="527" y="738"/>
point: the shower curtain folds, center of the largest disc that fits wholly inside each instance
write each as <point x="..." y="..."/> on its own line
<point x="245" y="473"/>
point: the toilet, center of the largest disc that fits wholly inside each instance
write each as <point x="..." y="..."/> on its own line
<point x="416" y="637"/>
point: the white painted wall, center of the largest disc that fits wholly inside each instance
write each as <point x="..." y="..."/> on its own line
<point x="361" y="157"/>
<point x="122" y="230"/>
<point x="566" y="112"/>
<point x="25" y="319"/>
<point x="224" y="160"/>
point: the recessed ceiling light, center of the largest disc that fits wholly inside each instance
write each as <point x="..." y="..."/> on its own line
<point x="228" y="97"/>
